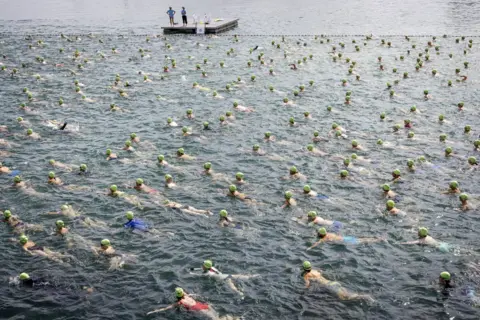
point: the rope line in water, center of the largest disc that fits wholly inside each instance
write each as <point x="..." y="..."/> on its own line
<point x="7" y="35"/>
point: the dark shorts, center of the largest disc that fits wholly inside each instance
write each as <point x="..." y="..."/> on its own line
<point x="184" y="19"/>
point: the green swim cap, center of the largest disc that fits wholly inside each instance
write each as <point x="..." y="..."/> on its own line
<point x="105" y="243"/>
<point x="310" y="147"/>
<point x="411" y="134"/>
<point x="232" y="188"/>
<point x="312" y="214"/>
<point x="413" y="108"/>
<point x="108" y="152"/>
<point x="169" y="120"/>
<point x="386" y="187"/>
<point x="445" y="275"/>
<point x="17" y="179"/>
<point x="472" y="160"/>
<point x="223" y="213"/>
<point x="334" y="125"/>
<point x="380" y="142"/>
<point x="343" y="173"/>
<point x="322" y="231"/>
<point x="256" y="147"/>
<point x="354" y="143"/>
<point x="354" y="156"/>
<point x="463" y="197"/>
<point x="133" y="135"/>
<point x="441" y="117"/>
<point x="422" y="159"/>
<point x="184" y="129"/>
<point x="139" y="181"/>
<point x="51" y="174"/>
<point x="291" y="120"/>
<point x="306" y="188"/>
<point x="23" y="239"/>
<point x="239" y="176"/>
<point x="228" y="113"/>
<point x="60" y="224"/>
<point x="179" y="292"/>
<point x="128" y="143"/>
<point x="467" y="128"/>
<point x="19" y="119"/>
<point x="476" y="143"/>
<point x="207" y="264"/>
<point x="396" y="172"/>
<point x="207" y="165"/>
<point x="168" y="177"/>
<point x="315" y="133"/>
<point x="268" y="134"/>
<point x="443" y="137"/>
<point x="7" y="214"/>
<point x="205" y="124"/>
<point x="181" y="152"/>
<point x="423" y="232"/>
<point x="189" y="111"/>
<point x="448" y="150"/>
<point x="83" y="167"/>
<point x="51" y="161"/>
<point x="161" y="157"/>
<point x="129" y="215"/>
<point x="113" y="188"/>
<point x="307" y="266"/>
<point x="346" y="161"/>
<point x="288" y="195"/>
<point x="221" y="118"/>
<point x="235" y="104"/>
<point x="285" y="100"/>
<point x="453" y="185"/>
<point x="24" y="276"/>
<point x="293" y="170"/>
<point x="29" y="131"/>
<point x="410" y="163"/>
<point x="306" y="113"/>
<point x="390" y="204"/>
<point x="64" y="207"/>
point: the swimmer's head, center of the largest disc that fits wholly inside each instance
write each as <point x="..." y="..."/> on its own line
<point x="29" y="132"/>
<point x="467" y="129"/>
<point x="189" y="111"/>
<point x="239" y="176"/>
<point x="24" y="276"/>
<point x="83" y="167"/>
<point x="441" y="117"/>
<point x="232" y="188"/>
<point x="7" y="214"/>
<point x="60" y="224"/>
<point x="221" y="118"/>
<point x="291" y="120"/>
<point x="17" y="179"/>
<point x="472" y="161"/>
<point x="390" y="204"/>
<point x="354" y="143"/>
<point x="386" y="187"/>
<point x="306" y="188"/>
<point x="311" y="215"/>
<point x="133" y="135"/>
<point x="410" y="163"/>
<point x="23" y="239"/>
<point x="445" y="276"/>
<point x="205" y="125"/>
<point x="307" y="266"/>
<point x="235" y="104"/>
<point x="413" y="108"/>
<point x="422" y="232"/>
<point x="463" y="197"/>
<point x="51" y="175"/>
<point x="310" y="147"/>
<point x="228" y="113"/>
<point x="343" y="173"/>
<point x="105" y="243"/>
<point x="180" y="152"/>
<point x="108" y="152"/>
<point x="139" y="182"/>
<point x="179" y="293"/>
<point x="268" y="134"/>
<point x="315" y="133"/>
<point x="476" y="143"/>
<point x="64" y="207"/>
<point x="19" y="119"/>
<point x="169" y="120"/>
<point x="306" y="113"/>
<point x="346" y="162"/>
<point x="256" y="147"/>
<point x="207" y="265"/>
<point x="207" y="166"/>
<point x="129" y="215"/>
<point x="113" y="188"/>
<point x="453" y="185"/>
<point x="448" y="151"/>
<point x="334" y="125"/>
<point x="288" y="195"/>
<point x="411" y="134"/>
<point x="168" y="177"/>
<point x="161" y="158"/>
<point x="396" y="173"/>
<point x="322" y="232"/>
<point x="443" y="137"/>
<point x="223" y="213"/>
<point x="380" y="142"/>
<point x="354" y="156"/>
<point x="422" y="159"/>
<point x="128" y="143"/>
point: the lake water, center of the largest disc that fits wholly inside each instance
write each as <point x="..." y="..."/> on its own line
<point x="401" y="278"/>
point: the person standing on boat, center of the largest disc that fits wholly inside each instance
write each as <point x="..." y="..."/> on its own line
<point x="171" y="14"/>
<point x="184" y="17"/>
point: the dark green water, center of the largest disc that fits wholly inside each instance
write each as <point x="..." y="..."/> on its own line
<point x="399" y="277"/>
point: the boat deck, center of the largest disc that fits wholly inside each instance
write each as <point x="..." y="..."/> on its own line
<point x="213" y="27"/>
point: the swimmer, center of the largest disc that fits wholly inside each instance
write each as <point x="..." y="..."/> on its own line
<point x="387" y="193"/>
<point x="226" y="221"/>
<point x="185" y="132"/>
<point x="113" y="192"/>
<point x="396" y="175"/>
<point x="171" y="123"/>
<point x="356" y="146"/>
<point x="453" y="188"/>
<point x="181" y="154"/>
<point x="335" y="238"/>
<point x="18" y="225"/>
<point x="60" y="228"/>
<point x="32" y="135"/>
<point x="289" y="200"/>
<point x="310" y="274"/>
<point x="312" y="150"/>
<point x="472" y="161"/>
<point x="411" y="165"/>
<point x="4" y="169"/>
<point x="464" y="200"/>
<point x="317" y="138"/>
<point x="134" y="138"/>
<point x="114" y="107"/>
<point x="216" y="176"/>
<point x="424" y="239"/>
<point x="268" y="137"/>
<point x="390" y="207"/>
<point x="240" y="108"/>
<point x="105" y="248"/>
<point x="313" y="219"/>
<point x="110" y="155"/>
<point x="187" y="209"/>
<point x="209" y="270"/>
<point x="239" y="178"/>
<point x="294" y="174"/>
<point x="169" y="181"/>
<point x="30" y="247"/>
<point x="68" y="211"/>
<point x="336" y="128"/>
<point x="257" y="151"/>
<point x="347" y="163"/>
<point x="140" y="186"/>
<point x="293" y="66"/>
<point x="60" y="165"/>
<point x="54" y="180"/>
<point x="83" y="169"/>
<point x="445" y="280"/>
<point x="186" y="301"/>
<point x="134" y="223"/>
<point x="128" y="146"/>
<point x="161" y="160"/>
<point x="232" y="192"/>
<point x="308" y="191"/>
<point x="25" y="280"/>
<point x="24" y="123"/>
<point x="189" y="114"/>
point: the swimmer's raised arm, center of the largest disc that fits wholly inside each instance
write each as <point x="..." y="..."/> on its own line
<point x="411" y="242"/>
<point x="314" y="245"/>
<point x="163" y="309"/>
